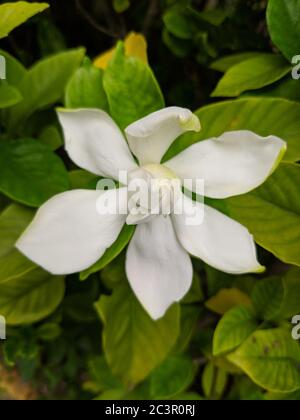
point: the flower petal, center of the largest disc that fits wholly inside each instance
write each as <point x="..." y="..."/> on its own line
<point x="95" y="143"/>
<point x="68" y="234"/>
<point x="150" y="137"/>
<point x="233" y="164"/>
<point x="218" y="240"/>
<point x="159" y="270"/>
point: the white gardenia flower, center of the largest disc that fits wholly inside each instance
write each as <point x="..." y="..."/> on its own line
<point x="69" y="234"/>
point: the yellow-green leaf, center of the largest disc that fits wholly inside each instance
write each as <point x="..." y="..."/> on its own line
<point x="236" y="325"/>
<point x="44" y="84"/>
<point x="278" y="297"/>
<point x="133" y="343"/>
<point x="135" y="46"/>
<point x="14" y="14"/>
<point x="13" y="221"/>
<point x="254" y="73"/>
<point x="9" y="95"/>
<point x="131" y="88"/>
<point x="271" y="358"/>
<point x="214" y="381"/>
<point x="30" y="297"/>
<point x="227" y="299"/>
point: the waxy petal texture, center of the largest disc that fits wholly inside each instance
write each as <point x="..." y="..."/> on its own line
<point x="159" y="270"/>
<point x="68" y="234"/>
<point x="233" y="164"/>
<point x="218" y="240"/>
<point x="150" y="137"/>
<point x="95" y="143"/>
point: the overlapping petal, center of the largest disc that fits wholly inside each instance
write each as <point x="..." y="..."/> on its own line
<point x="150" y="137"/>
<point x="158" y="268"/>
<point x="233" y="164"/>
<point x="216" y="239"/>
<point x="95" y="143"/>
<point x="69" y="234"/>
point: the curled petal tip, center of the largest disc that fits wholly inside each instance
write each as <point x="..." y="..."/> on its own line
<point x="190" y="122"/>
<point x="260" y="269"/>
<point x="280" y="156"/>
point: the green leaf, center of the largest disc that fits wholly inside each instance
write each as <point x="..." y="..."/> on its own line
<point x="15" y="71"/>
<point x="206" y="47"/>
<point x="233" y="329"/>
<point x="101" y="374"/>
<point x="286" y="88"/>
<point x="30" y="172"/>
<point x="291" y="302"/>
<point x="264" y="116"/>
<point x="173" y="376"/>
<point x="178" y="22"/>
<point x="14" y="14"/>
<point x="79" y="305"/>
<point x="267" y="297"/>
<point x="251" y="74"/>
<point x="4" y="201"/>
<point x="9" y="95"/>
<point x="50" y="331"/>
<point x="111" y="253"/>
<point x="51" y="137"/>
<point x="189" y="315"/>
<point x="283" y="19"/>
<point x="188" y="396"/>
<point x="114" y="273"/>
<point x="27" y="293"/>
<point x="216" y="281"/>
<point x="112" y="395"/>
<point x="179" y="47"/>
<point x="121" y="6"/>
<point x="245" y="390"/>
<point x="213" y="16"/>
<point x="227" y="299"/>
<point x="214" y="381"/>
<point x="49" y="37"/>
<point x="85" y="88"/>
<point x="131" y="88"/>
<point x="271" y="359"/>
<point x="276" y="298"/>
<point x="272" y="213"/>
<point x="44" y="84"/>
<point x="13" y="221"/>
<point x="81" y="179"/>
<point x="291" y="396"/>
<point x="225" y="63"/>
<point x="133" y="343"/>
<point x="30" y="297"/>
<point x="195" y="294"/>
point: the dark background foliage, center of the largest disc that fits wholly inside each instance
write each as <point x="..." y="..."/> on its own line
<point x="185" y="79"/>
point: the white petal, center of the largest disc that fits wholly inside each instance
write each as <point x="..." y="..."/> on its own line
<point x="95" y="143"/>
<point x="158" y="268"/>
<point x="150" y="137"/>
<point x="233" y="164"/>
<point x="218" y="240"/>
<point x="68" y="234"/>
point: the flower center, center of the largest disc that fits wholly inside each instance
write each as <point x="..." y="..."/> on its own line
<point x="152" y="190"/>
